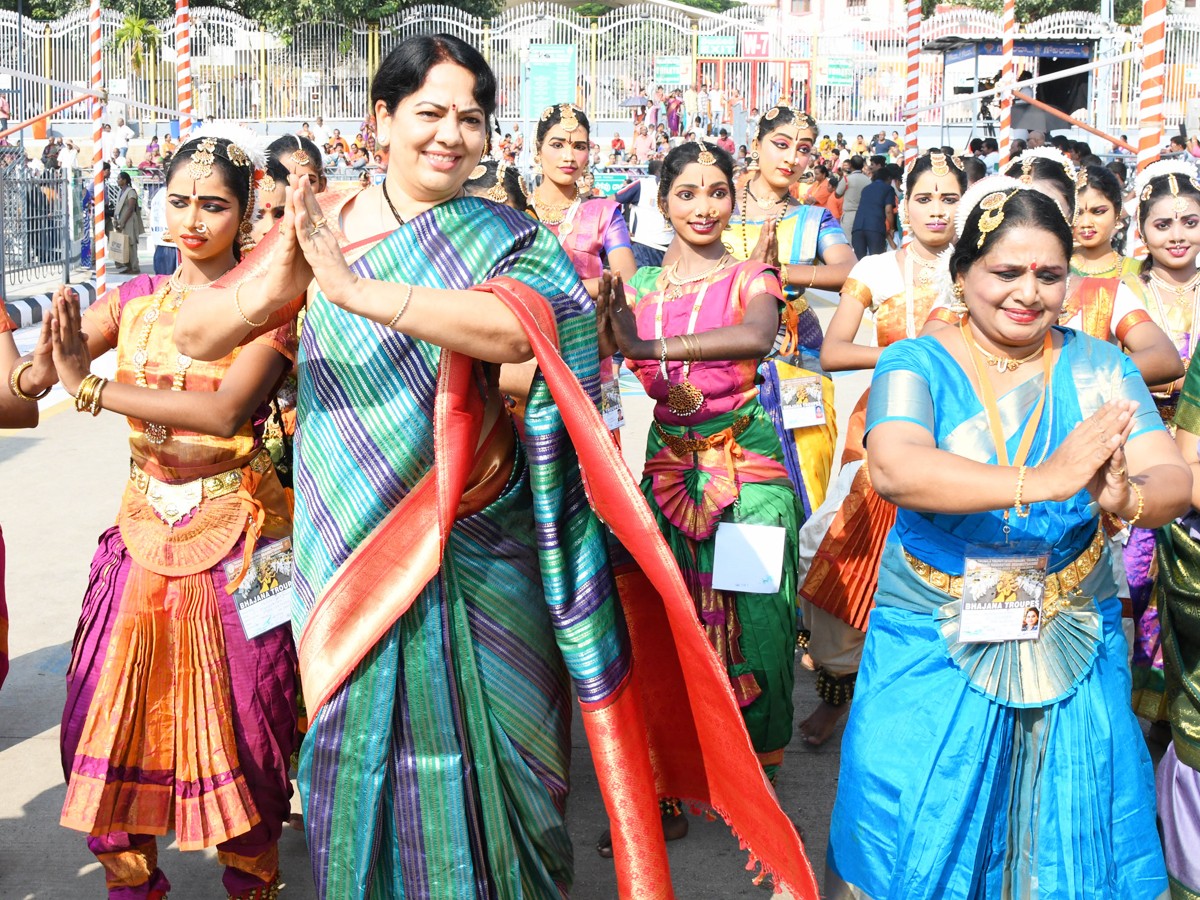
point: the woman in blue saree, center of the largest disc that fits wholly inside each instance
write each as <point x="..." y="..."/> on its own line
<point x="452" y="581"/>
<point x="1003" y="766"/>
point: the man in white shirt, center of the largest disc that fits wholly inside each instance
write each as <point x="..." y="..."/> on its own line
<point x="689" y="108"/>
<point x="716" y="98"/>
<point x="320" y="134"/>
<point x="123" y="134"/>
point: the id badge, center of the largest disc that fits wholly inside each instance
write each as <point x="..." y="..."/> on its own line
<point x="1003" y="590"/>
<point x="264" y="598"/>
<point x="802" y="401"/>
<point x="610" y="404"/>
<point x="748" y="558"/>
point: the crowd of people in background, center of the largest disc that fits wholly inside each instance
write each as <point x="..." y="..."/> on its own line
<point x="445" y="514"/>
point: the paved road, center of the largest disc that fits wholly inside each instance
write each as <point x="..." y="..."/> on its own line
<point x="59" y="488"/>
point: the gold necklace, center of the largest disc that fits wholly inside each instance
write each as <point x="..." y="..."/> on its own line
<point x="676" y="290"/>
<point x="1004" y="363"/>
<point x="1104" y="269"/>
<point x="553" y="213"/>
<point x="765" y="204"/>
<point x="928" y="268"/>
<point x="153" y="431"/>
<point x="742" y="212"/>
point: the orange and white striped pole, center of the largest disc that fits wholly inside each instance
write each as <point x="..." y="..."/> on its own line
<point x="99" y="239"/>
<point x="1007" y="77"/>
<point x="1154" y="75"/>
<point x="183" y="66"/>
<point x="912" y="95"/>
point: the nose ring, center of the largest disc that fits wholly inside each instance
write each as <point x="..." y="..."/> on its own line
<point x="201" y="228"/>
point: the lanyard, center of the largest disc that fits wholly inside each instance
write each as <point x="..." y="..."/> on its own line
<point x="988" y="397"/>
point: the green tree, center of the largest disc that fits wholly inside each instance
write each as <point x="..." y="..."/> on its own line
<point x="1127" y="12"/>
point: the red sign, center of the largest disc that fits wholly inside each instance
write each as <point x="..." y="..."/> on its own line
<point x="756" y="44"/>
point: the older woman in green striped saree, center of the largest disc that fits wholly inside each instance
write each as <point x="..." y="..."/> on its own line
<point x="450" y="577"/>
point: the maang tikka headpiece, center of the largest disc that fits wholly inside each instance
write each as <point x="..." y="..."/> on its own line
<point x="993" y="214"/>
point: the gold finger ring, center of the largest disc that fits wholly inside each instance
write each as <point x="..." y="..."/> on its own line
<point x="1120" y="471"/>
<point x="319" y="223"/>
<point x="312" y="232"/>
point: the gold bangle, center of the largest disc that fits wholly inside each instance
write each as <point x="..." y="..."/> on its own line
<point x="403" y="308"/>
<point x="14" y="383"/>
<point x="85" y="396"/>
<point x="1137" y="489"/>
<point x="96" y="407"/>
<point x="237" y="304"/>
<point x="1021" y="508"/>
<point x="699" y="349"/>
<point x="812" y="279"/>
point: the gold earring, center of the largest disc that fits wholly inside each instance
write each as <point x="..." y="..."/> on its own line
<point x="958" y="305"/>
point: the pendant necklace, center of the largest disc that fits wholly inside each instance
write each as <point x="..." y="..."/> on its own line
<point x="683" y="399"/>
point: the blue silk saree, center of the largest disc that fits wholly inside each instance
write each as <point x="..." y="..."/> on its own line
<point x="1014" y="769"/>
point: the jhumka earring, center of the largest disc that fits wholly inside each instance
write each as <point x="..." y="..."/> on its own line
<point x="958" y="305"/>
<point x="753" y="167"/>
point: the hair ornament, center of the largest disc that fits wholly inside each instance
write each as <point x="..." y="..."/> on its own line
<point x="705" y="157"/>
<point x="938" y="164"/>
<point x="957" y="162"/>
<point x="568" y="120"/>
<point x="200" y="165"/>
<point x="1143" y="185"/>
<point x="1053" y="154"/>
<point x="267" y="184"/>
<point x="478" y="172"/>
<point x="1026" y="172"/>
<point x="976" y="193"/>
<point x="993" y="214"/>
<point x="803" y="119"/>
<point x="1081" y="181"/>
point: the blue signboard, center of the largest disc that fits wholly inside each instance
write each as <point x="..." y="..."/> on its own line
<point x="1042" y="49"/>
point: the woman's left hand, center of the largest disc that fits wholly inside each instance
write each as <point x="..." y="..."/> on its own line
<point x="320" y="246"/>
<point x="1110" y="486"/>
<point x="70" y="351"/>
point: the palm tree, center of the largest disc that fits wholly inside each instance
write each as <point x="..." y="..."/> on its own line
<point x="138" y="37"/>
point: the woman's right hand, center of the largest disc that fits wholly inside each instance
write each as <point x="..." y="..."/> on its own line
<point x="767" y="248"/>
<point x="1081" y="460"/>
<point x="288" y="273"/>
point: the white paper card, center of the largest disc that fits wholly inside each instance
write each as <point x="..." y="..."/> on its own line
<point x="264" y="598"/>
<point x="610" y="404"/>
<point x="1002" y="599"/>
<point x="802" y="401"/>
<point x="748" y="558"/>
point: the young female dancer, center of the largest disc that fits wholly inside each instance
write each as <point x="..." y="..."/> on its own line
<point x="844" y="539"/>
<point x="175" y="718"/>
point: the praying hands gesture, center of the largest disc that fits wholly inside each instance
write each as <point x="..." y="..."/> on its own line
<point x="616" y="325"/>
<point x="318" y="245"/>
<point x="766" y="250"/>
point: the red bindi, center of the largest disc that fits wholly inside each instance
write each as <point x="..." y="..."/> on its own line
<point x="1033" y="267"/>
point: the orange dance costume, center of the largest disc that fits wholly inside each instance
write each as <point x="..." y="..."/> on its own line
<point x="850" y="529"/>
<point x="174" y="718"/>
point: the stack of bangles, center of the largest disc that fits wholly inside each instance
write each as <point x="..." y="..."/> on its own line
<point x="691" y="346"/>
<point x="14" y="384"/>
<point x="87" y="398"/>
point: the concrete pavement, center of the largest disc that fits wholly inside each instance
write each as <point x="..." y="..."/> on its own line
<point x="59" y="488"/>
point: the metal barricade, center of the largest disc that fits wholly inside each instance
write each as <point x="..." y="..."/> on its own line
<point x="35" y="222"/>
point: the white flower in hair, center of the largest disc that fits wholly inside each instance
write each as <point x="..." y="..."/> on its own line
<point x="943" y="284"/>
<point x="1161" y="169"/>
<point x="980" y="189"/>
<point x="1053" y="154"/>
